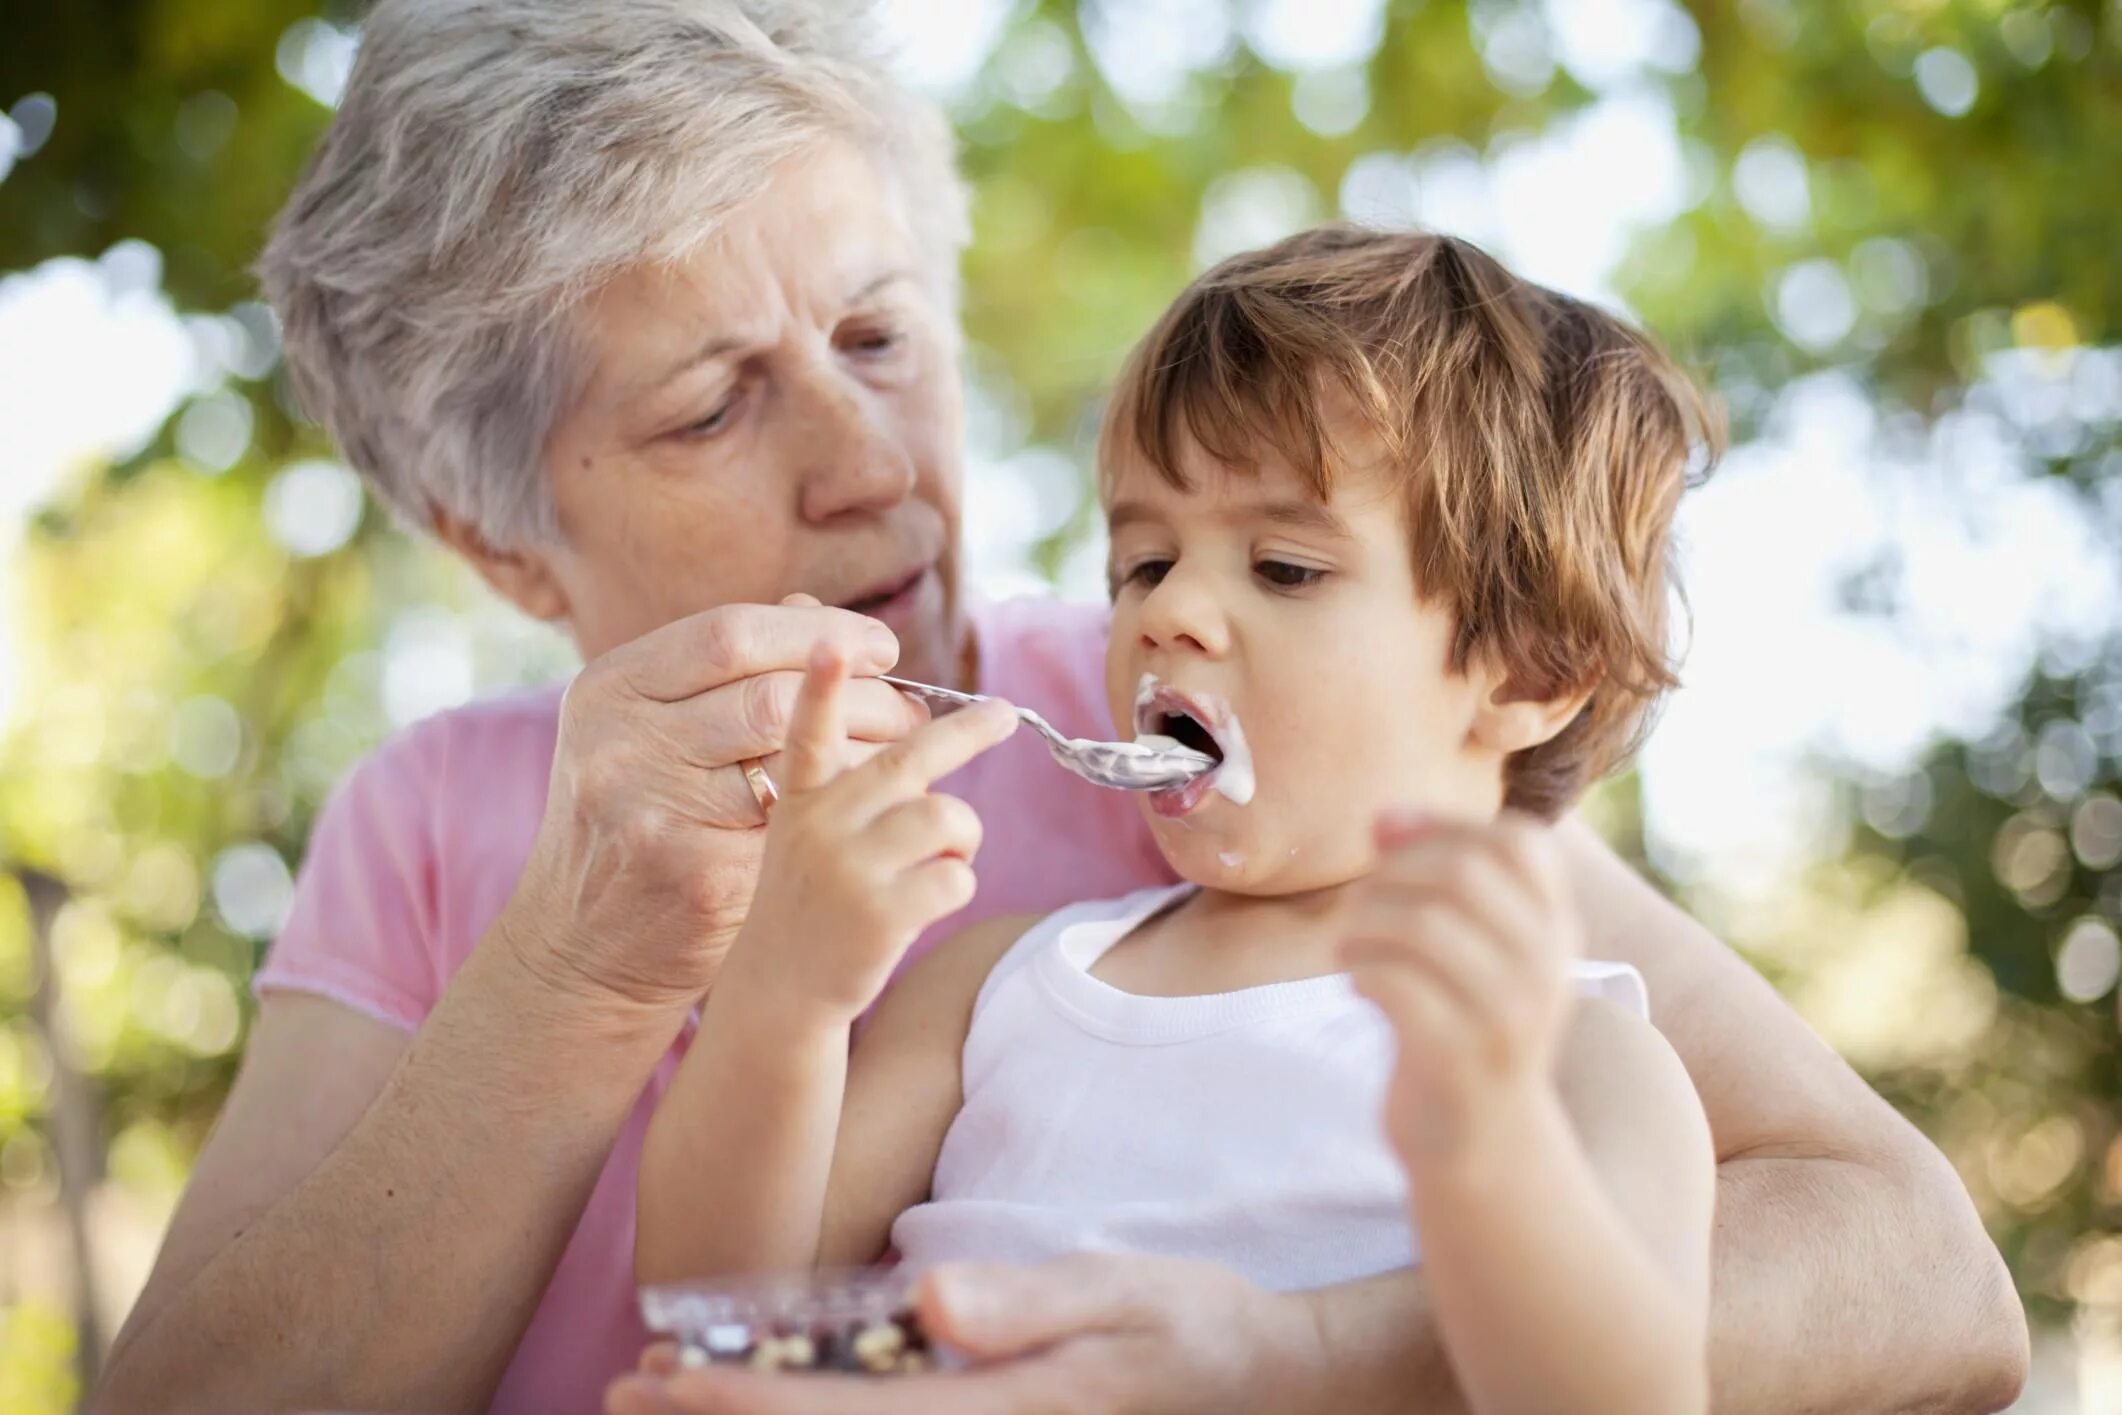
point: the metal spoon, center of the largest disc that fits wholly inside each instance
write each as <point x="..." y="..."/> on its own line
<point x="1124" y="766"/>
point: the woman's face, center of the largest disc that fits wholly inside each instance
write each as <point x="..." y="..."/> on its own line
<point x="778" y="413"/>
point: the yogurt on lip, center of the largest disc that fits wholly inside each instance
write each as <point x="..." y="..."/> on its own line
<point x="1233" y="779"/>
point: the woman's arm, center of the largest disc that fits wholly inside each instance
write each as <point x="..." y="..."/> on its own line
<point x="374" y="1220"/>
<point x="1841" y="1232"/>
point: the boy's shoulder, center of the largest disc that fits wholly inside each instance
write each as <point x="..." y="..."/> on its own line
<point x="972" y="952"/>
<point x="942" y="984"/>
<point x="1622" y="1083"/>
<point x="1607" y="1041"/>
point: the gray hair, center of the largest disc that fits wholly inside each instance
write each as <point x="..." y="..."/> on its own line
<point x="492" y="161"/>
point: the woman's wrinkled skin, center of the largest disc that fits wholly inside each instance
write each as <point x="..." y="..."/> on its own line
<point x="795" y="377"/>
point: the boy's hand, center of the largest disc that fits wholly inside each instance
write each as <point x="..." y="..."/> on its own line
<point x="859" y="861"/>
<point x="1463" y="935"/>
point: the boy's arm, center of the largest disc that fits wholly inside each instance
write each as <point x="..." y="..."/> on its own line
<point x="903" y="1091"/>
<point x="836" y="1146"/>
<point x="734" y="1166"/>
<point x="1841" y="1231"/>
<point x="1581" y="1213"/>
<point x="858" y="862"/>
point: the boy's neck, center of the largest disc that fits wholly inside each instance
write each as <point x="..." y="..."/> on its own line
<point x="1296" y="909"/>
<point x="1217" y="942"/>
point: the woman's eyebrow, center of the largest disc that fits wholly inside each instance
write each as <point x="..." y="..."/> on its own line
<point x="720" y="344"/>
<point x="713" y="348"/>
<point x="880" y="283"/>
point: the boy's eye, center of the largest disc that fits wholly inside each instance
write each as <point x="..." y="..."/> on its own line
<point x="1147" y="573"/>
<point x="1284" y="575"/>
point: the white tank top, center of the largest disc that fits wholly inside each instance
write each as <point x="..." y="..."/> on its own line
<point x="1239" y="1127"/>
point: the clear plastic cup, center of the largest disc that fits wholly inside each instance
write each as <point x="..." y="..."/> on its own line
<point x="859" y="1321"/>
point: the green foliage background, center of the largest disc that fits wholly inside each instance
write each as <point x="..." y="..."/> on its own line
<point x="154" y="590"/>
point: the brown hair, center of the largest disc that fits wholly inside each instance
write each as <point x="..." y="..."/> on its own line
<point x="1544" y="445"/>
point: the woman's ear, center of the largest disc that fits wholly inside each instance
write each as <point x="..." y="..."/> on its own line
<point x="522" y="576"/>
<point x="1513" y="719"/>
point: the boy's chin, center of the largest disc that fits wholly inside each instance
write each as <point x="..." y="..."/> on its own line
<point x="1208" y="852"/>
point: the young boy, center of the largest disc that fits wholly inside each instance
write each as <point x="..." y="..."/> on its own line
<point x="1389" y="540"/>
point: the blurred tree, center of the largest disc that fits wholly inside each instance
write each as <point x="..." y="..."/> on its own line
<point x="1911" y="195"/>
<point x="2022" y="833"/>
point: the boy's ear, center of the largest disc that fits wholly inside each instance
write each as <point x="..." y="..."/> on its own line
<point x="1514" y="719"/>
<point x="524" y="576"/>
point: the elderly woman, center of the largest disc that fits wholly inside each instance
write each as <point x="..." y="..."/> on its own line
<point x="647" y="309"/>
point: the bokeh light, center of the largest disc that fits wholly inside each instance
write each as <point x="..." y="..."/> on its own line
<point x="252" y="888"/>
<point x="313" y="507"/>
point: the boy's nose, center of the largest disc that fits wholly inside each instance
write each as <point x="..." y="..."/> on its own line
<point x="1180" y="615"/>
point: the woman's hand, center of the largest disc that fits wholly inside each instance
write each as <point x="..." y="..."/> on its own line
<point x="859" y="858"/>
<point x="644" y="863"/>
<point x="1463" y="935"/>
<point x="1115" y="1334"/>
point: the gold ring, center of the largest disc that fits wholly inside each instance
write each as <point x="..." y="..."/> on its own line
<point x="763" y="790"/>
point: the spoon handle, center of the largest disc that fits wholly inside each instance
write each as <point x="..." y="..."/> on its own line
<point x="931" y="691"/>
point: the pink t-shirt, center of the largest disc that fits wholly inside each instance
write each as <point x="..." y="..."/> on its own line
<point x="419" y="849"/>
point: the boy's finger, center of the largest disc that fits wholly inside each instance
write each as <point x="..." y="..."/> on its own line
<point x="1403" y="837"/>
<point x="817" y="729"/>
<point x="1479" y="893"/>
<point x="1401" y="826"/>
<point x="926" y="755"/>
<point x="1434" y="942"/>
<point x="922" y="829"/>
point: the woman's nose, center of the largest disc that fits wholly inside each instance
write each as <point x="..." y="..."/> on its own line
<point x="1181" y="613"/>
<point x="853" y="461"/>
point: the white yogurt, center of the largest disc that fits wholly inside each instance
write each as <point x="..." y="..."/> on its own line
<point x="1233" y="780"/>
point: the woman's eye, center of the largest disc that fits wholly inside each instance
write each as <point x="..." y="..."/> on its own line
<point x="874" y="341"/>
<point x="711" y="424"/>
<point x="1284" y="575"/>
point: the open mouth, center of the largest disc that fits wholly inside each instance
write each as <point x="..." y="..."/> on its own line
<point x="1187" y="730"/>
<point x="1165" y="717"/>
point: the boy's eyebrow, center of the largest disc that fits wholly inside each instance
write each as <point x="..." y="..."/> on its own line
<point x="1127" y="513"/>
<point x="1303" y="515"/>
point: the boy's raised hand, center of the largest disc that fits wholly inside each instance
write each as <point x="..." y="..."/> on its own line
<point x="860" y="858"/>
<point x="1463" y="935"/>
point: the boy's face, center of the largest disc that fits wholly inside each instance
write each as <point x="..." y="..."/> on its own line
<point x="1293" y="632"/>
